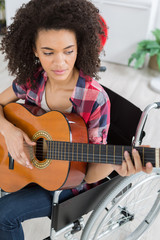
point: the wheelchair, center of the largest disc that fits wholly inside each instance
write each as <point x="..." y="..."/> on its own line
<point x="120" y="207"/>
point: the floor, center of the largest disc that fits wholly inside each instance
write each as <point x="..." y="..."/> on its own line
<point x="131" y="84"/>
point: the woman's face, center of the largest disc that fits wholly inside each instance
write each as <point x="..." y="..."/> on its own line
<point x="57" y="52"/>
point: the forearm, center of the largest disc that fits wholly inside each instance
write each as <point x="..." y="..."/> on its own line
<point x="97" y="171"/>
<point x="4" y="123"/>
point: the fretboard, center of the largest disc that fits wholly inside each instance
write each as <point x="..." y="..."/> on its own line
<point x="95" y="153"/>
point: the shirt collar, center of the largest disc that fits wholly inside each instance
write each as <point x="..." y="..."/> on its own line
<point x="78" y="92"/>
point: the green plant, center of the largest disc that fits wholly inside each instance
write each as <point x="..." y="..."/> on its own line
<point x="2" y="4"/>
<point x="146" y="47"/>
<point x="2" y="9"/>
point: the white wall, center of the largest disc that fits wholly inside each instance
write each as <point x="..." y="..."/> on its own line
<point x="11" y="7"/>
<point x="129" y="21"/>
<point x="157" y="18"/>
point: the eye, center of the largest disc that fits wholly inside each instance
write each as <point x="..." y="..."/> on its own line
<point x="48" y="54"/>
<point x="69" y="52"/>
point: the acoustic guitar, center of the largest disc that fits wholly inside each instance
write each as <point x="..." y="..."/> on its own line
<point x="61" y="153"/>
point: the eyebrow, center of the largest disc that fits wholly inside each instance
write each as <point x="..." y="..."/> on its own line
<point x="47" y="48"/>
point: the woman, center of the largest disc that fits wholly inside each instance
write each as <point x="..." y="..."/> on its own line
<point x="52" y="48"/>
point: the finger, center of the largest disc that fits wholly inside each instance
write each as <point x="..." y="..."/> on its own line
<point x="121" y="169"/>
<point x="137" y="160"/>
<point x="130" y="166"/>
<point x="148" y="169"/>
<point x="28" y="140"/>
<point x="20" y="161"/>
<point x="21" y="158"/>
<point x="124" y="169"/>
<point x="27" y="162"/>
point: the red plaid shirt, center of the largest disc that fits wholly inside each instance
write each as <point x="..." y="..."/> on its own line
<point x="89" y="100"/>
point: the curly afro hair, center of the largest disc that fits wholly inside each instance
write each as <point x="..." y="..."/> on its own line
<point x="80" y="16"/>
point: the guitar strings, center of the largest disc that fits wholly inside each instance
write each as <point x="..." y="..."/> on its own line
<point x="149" y="151"/>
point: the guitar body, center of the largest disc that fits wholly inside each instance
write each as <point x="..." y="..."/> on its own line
<point x="37" y="124"/>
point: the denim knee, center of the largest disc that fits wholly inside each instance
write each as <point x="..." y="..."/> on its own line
<point x="7" y="218"/>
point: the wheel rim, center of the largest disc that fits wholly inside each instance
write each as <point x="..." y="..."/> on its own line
<point x="124" y="217"/>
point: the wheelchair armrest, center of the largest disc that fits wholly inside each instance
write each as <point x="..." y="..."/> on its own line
<point x="70" y="210"/>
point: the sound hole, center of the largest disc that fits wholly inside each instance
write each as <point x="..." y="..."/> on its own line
<point x="41" y="149"/>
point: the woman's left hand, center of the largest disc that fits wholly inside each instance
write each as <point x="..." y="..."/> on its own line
<point x="128" y="167"/>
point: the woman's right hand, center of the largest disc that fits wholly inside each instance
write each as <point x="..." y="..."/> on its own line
<point x="18" y="144"/>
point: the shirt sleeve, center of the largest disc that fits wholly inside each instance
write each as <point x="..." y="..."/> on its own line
<point x="20" y="90"/>
<point x="99" y="121"/>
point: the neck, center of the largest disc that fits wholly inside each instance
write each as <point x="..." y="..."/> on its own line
<point x="69" y="82"/>
<point x="95" y="153"/>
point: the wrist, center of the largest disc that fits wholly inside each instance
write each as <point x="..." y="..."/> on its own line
<point x="5" y="125"/>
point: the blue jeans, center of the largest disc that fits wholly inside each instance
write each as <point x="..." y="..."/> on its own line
<point x="30" y="202"/>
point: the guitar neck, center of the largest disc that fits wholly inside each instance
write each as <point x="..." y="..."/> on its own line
<point x="95" y="153"/>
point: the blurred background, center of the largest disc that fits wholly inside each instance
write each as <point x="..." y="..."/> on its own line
<point x="129" y="22"/>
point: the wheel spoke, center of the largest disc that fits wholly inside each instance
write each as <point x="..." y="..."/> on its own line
<point x="127" y="210"/>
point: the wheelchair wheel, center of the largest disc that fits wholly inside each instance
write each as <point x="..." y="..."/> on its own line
<point x="127" y="210"/>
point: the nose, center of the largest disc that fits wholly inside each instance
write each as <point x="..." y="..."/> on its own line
<point x="59" y="59"/>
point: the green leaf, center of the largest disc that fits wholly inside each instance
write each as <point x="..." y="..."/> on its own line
<point x="156" y="33"/>
<point x="153" y="52"/>
<point x="158" y="60"/>
<point x="152" y="44"/>
<point x="130" y="60"/>
<point x="144" y="43"/>
<point x="135" y="56"/>
<point x="139" y="63"/>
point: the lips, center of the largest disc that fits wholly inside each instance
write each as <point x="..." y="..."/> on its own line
<point x="59" y="72"/>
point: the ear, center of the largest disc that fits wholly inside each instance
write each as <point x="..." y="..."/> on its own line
<point x="35" y="52"/>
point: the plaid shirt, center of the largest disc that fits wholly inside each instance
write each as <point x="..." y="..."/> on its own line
<point x="89" y="100"/>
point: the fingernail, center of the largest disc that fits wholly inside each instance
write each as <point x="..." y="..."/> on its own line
<point x="126" y="153"/>
<point x="134" y="150"/>
<point x="149" y="165"/>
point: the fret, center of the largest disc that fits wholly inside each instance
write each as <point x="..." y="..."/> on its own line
<point x="57" y="150"/>
<point x="96" y="153"/>
<point x="77" y="152"/>
<point x="143" y="157"/>
<point x="72" y="151"/>
<point x="87" y="151"/>
<point x="68" y="151"/>
<point x="93" y="153"/>
<point x="61" y="147"/>
<point x="106" y="153"/>
<point x="50" y="149"/>
<point x="64" y="151"/>
<point x="99" y="153"/>
<point x="47" y="156"/>
<point x="90" y="152"/>
<point x="119" y="150"/>
<point x="114" y="155"/>
<point x="82" y="153"/>
<point x="110" y="154"/>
